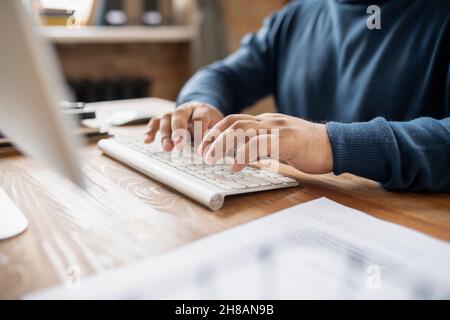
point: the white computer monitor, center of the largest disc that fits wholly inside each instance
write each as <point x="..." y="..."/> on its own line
<point x="31" y="89"/>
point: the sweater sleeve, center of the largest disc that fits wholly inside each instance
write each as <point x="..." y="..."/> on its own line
<point x="412" y="155"/>
<point x="241" y="79"/>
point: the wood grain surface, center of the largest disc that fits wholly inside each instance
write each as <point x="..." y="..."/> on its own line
<point x="122" y="217"/>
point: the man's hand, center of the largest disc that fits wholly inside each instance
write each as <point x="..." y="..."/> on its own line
<point x="172" y="124"/>
<point x="302" y="144"/>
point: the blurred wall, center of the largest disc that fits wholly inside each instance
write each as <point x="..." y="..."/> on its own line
<point x="244" y="16"/>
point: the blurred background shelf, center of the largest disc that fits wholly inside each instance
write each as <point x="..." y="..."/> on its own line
<point x="109" y="60"/>
<point x="125" y="34"/>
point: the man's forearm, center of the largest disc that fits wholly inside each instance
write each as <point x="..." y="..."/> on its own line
<point x="212" y="86"/>
<point x="241" y="79"/>
<point x="413" y="155"/>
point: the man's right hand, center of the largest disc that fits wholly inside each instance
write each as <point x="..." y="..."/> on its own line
<point x="182" y="118"/>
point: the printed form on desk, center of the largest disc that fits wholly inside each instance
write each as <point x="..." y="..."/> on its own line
<point x="316" y="250"/>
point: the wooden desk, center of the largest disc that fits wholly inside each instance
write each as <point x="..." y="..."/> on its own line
<point x="123" y="217"/>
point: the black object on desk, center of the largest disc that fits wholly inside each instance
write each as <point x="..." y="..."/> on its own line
<point x="77" y="109"/>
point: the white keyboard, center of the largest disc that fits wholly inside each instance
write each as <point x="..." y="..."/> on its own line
<point x="188" y="174"/>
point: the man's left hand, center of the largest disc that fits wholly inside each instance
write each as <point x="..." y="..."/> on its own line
<point x="302" y="144"/>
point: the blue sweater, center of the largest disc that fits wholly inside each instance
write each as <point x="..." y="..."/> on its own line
<point x="385" y="94"/>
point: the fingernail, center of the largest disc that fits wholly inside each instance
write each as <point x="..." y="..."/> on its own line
<point x="178" y="146"/>
<point x="177" y="142"/>
<point x="166" y="144"/>
<point x="167" y="147"/>
<point x="209" y="158"/>
<point x="200" y="150"/>
<point x="204" y="150"/>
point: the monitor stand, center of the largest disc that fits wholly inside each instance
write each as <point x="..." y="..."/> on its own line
<point x="12" y="221"/>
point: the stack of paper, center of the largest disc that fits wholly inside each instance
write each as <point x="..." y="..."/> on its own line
<point x="319" y="249"/>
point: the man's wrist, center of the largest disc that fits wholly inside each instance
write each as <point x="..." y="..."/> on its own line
<point x="360" y="148"/>
<point x="325" y="149"/>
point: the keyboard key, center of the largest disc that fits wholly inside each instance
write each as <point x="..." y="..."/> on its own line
<point x="222" y="185"/>
<point x="273" y="174"/>
<point x="235" y="185"/>
<point x="273" y="180"/>
<point x="247" y="183"/>
<point x="287" y="179"/>
<point x="259" y="181"/>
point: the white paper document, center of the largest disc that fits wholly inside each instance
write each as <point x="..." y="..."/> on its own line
<point x="316" y="250"/>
